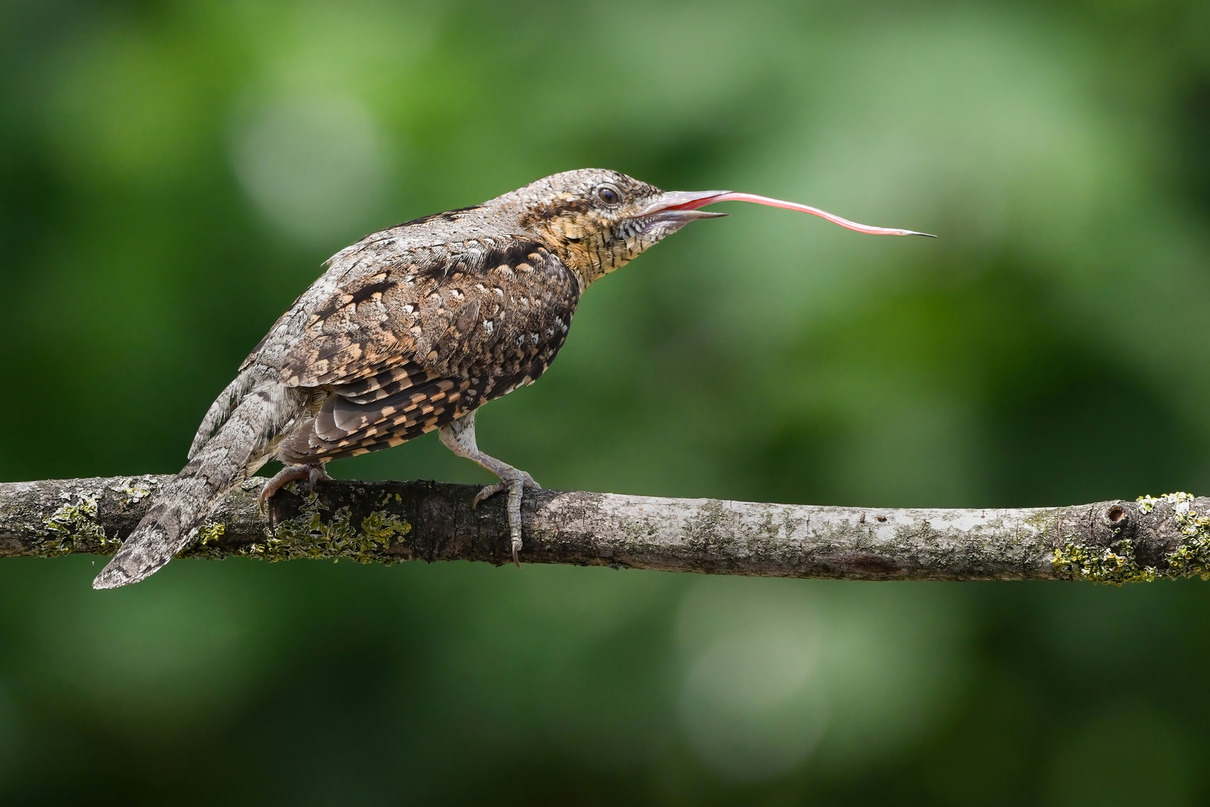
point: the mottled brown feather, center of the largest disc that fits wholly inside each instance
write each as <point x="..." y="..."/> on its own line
<point x="464" y="332"/>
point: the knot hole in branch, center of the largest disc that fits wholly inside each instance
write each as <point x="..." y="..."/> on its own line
<point x="1117" y="522"/>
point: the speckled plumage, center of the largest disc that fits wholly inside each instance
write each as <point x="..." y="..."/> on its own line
<point x="409" y="330"/>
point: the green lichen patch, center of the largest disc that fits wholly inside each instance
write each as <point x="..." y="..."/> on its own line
<point x="1192" y="555"/>
<point x="132" y="492"/>
<point x="316" y="534"/>
<point x="383" y="529"/>
<point x="211" y="533"/>
<point x="1178" y="499"/>
<point x="71" y="524"/>
<point x="1114" y="564"/>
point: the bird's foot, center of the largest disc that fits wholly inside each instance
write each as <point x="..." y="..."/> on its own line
<point x="459" y="437"/>
<point x="515" y="482"/>
<point x="313" y="474"/>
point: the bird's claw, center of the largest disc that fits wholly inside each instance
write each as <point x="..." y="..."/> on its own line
<point x="487" y="492"/>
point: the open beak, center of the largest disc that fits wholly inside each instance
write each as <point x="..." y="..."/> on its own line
<point x="683" y="206"/>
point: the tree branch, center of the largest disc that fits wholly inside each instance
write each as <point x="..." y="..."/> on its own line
<point x="387" y="522"/>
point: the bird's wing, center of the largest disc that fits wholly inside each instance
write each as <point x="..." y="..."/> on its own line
<point x="413" y="345"/>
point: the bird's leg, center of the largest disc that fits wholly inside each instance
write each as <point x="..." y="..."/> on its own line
<point x="459" y="437"/>
<point x="314" y="473"/>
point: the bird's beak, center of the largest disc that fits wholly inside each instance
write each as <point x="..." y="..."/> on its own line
<point x="682" y="206"/>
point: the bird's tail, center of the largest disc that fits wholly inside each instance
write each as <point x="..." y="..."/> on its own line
<point x="234" y="453"/>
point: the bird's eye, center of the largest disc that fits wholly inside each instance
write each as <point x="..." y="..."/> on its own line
<point x="609" y="194"/>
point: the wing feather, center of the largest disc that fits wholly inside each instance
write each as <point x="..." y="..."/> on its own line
<point x="423" y="339"/>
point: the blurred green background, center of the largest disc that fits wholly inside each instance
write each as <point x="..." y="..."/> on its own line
<point x="173" y="174"/>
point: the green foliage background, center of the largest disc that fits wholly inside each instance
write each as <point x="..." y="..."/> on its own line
<point x="173" y="174"/>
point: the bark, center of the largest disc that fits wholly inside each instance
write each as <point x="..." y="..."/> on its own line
<point x="385" y="522"/>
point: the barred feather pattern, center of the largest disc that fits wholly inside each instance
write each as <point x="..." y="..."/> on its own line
<point x="461" y="335"/>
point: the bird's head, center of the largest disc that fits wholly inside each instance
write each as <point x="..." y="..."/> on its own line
<point x="598" y="220"/>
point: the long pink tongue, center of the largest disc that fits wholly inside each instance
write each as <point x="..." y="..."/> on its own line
<point x="814" y="211"/>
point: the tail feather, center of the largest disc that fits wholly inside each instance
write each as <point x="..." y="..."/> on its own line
<point x="234" y="453"/>
<point x="220" y="411"/>
<point x="172" y="522"/>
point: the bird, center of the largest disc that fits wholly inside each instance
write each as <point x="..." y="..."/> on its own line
<point x="412" y="329"/>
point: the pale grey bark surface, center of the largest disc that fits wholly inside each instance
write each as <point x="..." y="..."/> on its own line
<point x="1115" y="541"/>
